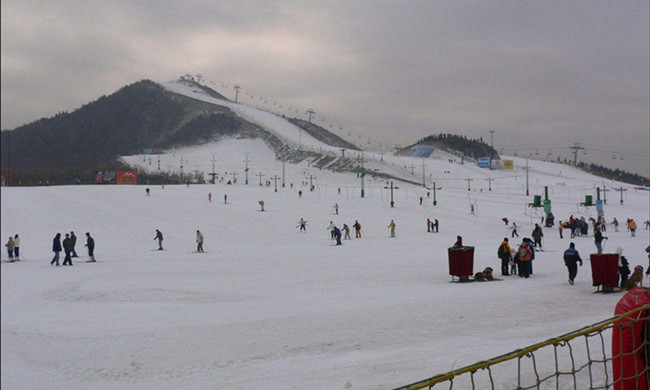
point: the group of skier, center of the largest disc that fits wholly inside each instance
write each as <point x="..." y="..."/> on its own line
<point x="68" y="246"/>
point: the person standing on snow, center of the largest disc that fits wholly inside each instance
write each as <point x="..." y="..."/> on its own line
<point x="598" y="240"/>
<point x="337" y="235"/>
<point x="391" y="226"/>
<point x="73" y="239"/>
<point x="303" y="225"/>
<point x="68" y="247"/>
<point x="632" y="227"/>
<point x="16" y="247"/>
<point x="525" y="255"/>
<point x="615" y="223"/>
<point x="537" y="236"/>
<point x="159" y="237"/>
<point x="10" y="248"/>
<point x="331" y="228"/>
<point x="357" y="229"/>
<point x="346" y="229"/>
<point x="336" y="208"/>
<point x="571" y="260"/>
<point x="56" y="248"/>
<point x="199" y="242"/>
<point x="90" y="244"/>
<point x="504" y="255"/>
<point x="459" y="242"/>
<point x="560" y="226"/>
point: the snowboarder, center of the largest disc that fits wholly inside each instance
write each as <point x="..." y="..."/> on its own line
<point x="199" y="242"/>
<point x="68" y="247"/>
<point x="159" y="237"/>
<point x="514" y="230"/>
<point x="90" y="244"/>
<point x="16" y="247"/>
<point x="73" y="240"/>
<point x="504" y="255"/>
<point x="303" y="225"/>
<point x="391" y="226"/>
<point x="598" y="240"/>
<point x="56" y="248"/>
<point x="346" y="229"/>
<point x="571" y="260"/>
<point x="10" y="248"/>
<point x="357" y="229"/>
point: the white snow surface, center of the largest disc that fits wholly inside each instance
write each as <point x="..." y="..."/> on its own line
<point x="270" y="307"/>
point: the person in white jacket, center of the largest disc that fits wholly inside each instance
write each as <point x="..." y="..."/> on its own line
<point x="16" y="247"/>
<point x="199" y="242"/>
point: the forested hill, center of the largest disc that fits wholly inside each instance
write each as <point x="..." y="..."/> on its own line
<point x="457" y="144"/>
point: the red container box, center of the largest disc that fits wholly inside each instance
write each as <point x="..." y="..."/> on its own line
<point x="604" y="269"/>
<point x="461" y="261"/>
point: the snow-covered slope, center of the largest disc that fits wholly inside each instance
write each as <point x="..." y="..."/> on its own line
<point x="268" y="306"/>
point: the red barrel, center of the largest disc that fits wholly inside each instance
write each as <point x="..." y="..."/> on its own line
<point x="604" y="269"/>
<point x="461" y="262"/>
<point x="628" y="363"/>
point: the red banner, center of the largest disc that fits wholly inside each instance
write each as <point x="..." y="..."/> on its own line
<point x="127" y="177"/>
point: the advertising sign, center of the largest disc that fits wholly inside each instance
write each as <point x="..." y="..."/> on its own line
<point x="483" y="162"/>
<point x="422" y="151"/>
<point x="508" y="164"/>
<point x="105" y="177"/>
<point x="496" y="164"/>
<point x="127" y="177"/>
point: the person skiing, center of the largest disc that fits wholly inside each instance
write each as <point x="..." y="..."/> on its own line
<point x="331" y="228"/>
<point x="73" y="240"/>
<point x="346" y="229"/>
<point x="16" y="247"/>
<point x="525" y="255"/>
<point x="336" y="208"/>
<point x="148" y="191"/>
<point x="337" y="235"/>
<point x="571" y="260"/>
<point x="537" y="236"/>
<point x="159" y="237"/>
<point x="56" y="248"/>
<point x="10" y="248"/>
<point x="357" y="229"/>
<point x="632" y="227"/>
<point x="199" y="242"/>
<point x="514" y="230"/>
<point x="560" y="226"/>
<point x="391" y="226"/>
<point x="504" y="255"/>
<point x="615" y="223"/>
<point x="68" y="247"/>
<point x="303" y="225"/>
<point x="598" y="240"/>
<point x="90" y="244"/>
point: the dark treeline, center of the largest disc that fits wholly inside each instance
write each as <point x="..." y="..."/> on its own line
<point x="614" y="174"/>
<point x="474" y="148"/>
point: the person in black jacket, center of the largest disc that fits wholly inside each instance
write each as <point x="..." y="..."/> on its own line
<point x="67" y="248"/>
<point x="598" y="240"/>
<point x="90" y="243"/>
<point x="571" y="260"/>
<point x="73" y="238"/>
<point x="56" y="248"/>
<point x="505" y="256"/>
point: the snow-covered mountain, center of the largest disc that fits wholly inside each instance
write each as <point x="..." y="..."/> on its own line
<point x="268" y="306"/>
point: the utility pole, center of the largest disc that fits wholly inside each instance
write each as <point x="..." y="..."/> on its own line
<point x="468" y="181"/>
<point x="489" y="183"/>
<point x="260" y="175"/>
<point x="392" y="203"/>
<point x="424" y="178"/>
<point x="181" y="166"/>
<point x="283" y="161"/>
<point x="434" y="194"/>
<point x="527" y="192"/>
<point x="576" y="146"/>
<point x="412" y="169"/>
<point x="491" y="139"/>
<point x="310" y="112"/>
<point x="213" y="174"/>
<point x="246" y="161"/>
<point x="363" y="174"/>
<point x="237" y="88"/>
<point x="275" y="180"/>
<point x="621" y="191"/>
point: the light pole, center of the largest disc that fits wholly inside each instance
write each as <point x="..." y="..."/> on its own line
<point x="237" y="88"/>
<point x="491" y="139"/>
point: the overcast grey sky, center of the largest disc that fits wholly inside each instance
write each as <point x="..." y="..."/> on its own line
<point x="541" y="74"/>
